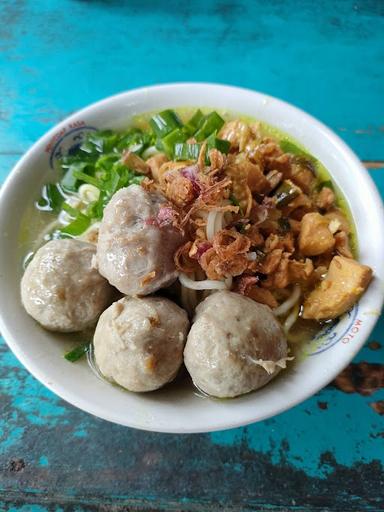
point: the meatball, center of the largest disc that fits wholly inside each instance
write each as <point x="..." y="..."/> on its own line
<point x="139" y="342"/>
<point x="60" y="288"/>
<point x="235" y="345"/>
<point x="134" y="253"/>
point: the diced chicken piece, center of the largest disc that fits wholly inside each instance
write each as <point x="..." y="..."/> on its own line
<point x="342" y="244"/>
<point x="344" y="284"/>
<point x="303" y="176"/>
<point x="256" y="180"/>
<point x="315" y="237"/>
<point x="154" y="163"/>
<point x="262" y="295"/>
<point x="237" y="133"/>
<point x="337" y="215"/>
<point x="325" y="198"/>
<point x="300" y="271"/>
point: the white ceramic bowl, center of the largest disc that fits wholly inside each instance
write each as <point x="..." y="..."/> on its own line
<point x="180" y="409"/>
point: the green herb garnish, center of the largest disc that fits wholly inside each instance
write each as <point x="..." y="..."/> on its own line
<point x="323" y="184"/>
<point x="77" y="353"/>
<point x="289" y="147"/>
<point x="286" y="193"/>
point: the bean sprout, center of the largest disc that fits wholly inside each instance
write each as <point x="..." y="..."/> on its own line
<point x="88" y="193"/>
<point x="151" y="151"/>
<point x="289" y="303"/>
<point x="189" y="299"/>
<point x="211" y="221"/>
<point x="291" y="318"/>
<point x="206" y="284"/>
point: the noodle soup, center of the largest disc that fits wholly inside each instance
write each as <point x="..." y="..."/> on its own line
<point x="255" y="213"/>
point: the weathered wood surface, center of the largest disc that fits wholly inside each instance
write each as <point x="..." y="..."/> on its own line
<point x="326" y="57"/>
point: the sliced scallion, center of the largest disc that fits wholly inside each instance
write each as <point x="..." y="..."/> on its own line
<point x="208" y="124"/>
<point x="80" y="223"/>
<point x="165" y="122"/>
<point x="289" y="147"/>
<point x="51" y="198"/>
<point x="184" y="151"/>
<point x="77" y="353"/>
<point x="286" y="193"/>
<point x="327" y="184"/>
<point x="169" y="141"/>
<point x="82" y="176"/>
<point x="192" y="125"/>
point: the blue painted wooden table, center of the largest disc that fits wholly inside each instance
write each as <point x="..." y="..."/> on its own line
<point x="326" y="57"/>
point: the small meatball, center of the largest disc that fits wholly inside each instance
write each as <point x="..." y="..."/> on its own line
<point x="134" y="253"/>
<point x="61" y="290"/>
<point x="235" y="345"/>
<point x="343" y="286"/>
<point x="139" y="342"/>
<point x="315" y="237"/>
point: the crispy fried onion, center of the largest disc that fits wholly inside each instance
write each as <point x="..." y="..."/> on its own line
<point x="183" y="261"/>
<point x="228" y="243"/>
<point x="228" y="255"/>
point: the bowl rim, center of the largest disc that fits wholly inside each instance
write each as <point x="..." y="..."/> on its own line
<point x="93" y="409"/>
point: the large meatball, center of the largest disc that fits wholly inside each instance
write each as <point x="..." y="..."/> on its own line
<point x="233" y="345"/>
<point x="133" y="252"/>
<point x="139" y="342"/>
<point x="60" y="288"/>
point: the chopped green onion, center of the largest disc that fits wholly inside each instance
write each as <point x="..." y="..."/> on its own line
<point x="100" y="141"/>
<point x="105" y="162"/>
<point x="208" y="124"/>
<point x="86" y="178"/>
<point x="289" y="147"/>
<point x="69" y="181"/>
<point x="219" y="144"/>
<point x="284" y="224"/>
<point x="73" y="212"/>
<point x="286" y="193"/>
<point x="234" y="200"/>
<point x="184" y="151"/>
<point x="77" y="226"/>
<point x="323" y="184"/>
<point x="51" y="198"/>
<point x="80" y="224"/>
<point x="191" y="126"/>
<point x="175" y="137"/>
<point x="165" y="122"/>
<point x="77" y="353"/>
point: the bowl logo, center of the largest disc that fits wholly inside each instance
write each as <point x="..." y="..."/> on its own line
<point x="343" y="330"/>
<point x="66" y="141"/>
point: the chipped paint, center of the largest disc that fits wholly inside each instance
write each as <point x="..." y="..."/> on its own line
<point x="364" y="378"/>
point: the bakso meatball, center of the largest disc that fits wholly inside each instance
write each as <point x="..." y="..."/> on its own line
<point x="61" y="289"/>
<point x="135" y="250"/>
<point x="235" y="345"/>
<point x="139" y="342"/>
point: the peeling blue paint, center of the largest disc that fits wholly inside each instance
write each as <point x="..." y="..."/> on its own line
<point x="43" y="461"/>
<point x="80" y="433"/>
